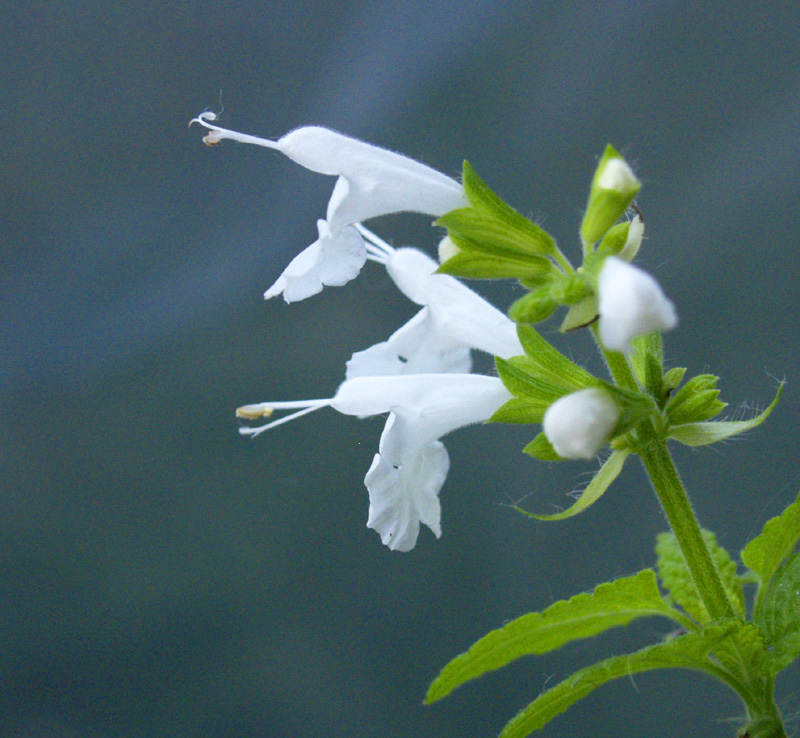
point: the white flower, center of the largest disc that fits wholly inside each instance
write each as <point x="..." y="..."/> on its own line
<point x="438" y="338"/>
<point x="617" y="175"/>
<point x="631" y="303"/>
<point x="408" y="472"/>
<point x="578" y="425"/>
<point x="371" y="182"/>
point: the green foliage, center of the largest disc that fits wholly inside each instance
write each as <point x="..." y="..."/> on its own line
<point x="703" y="434"/>
<point x="779" y="614"/>
<point x="536" y="379"/>
<point x="541" y="448"/>
<point x="471" y="263"/>
<point x="744" y="652"/>
<point x="688" y="651"/>
<point x="601" y="481"/>
<point x="695" y="401"/>
<point x="610" y="605"/>
<point x="765" y="553"/>
<point x="549" y="362"/>
<point x="677" y="579"/>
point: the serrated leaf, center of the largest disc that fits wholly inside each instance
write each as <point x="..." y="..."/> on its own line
<point x="779" y="614"/>
<point x="601" y="481"/>
<point x="703" y="434"/>
<point x="677" y="579"/>
<point x="688" y="651"/>
<point x="610" y="605"/>
<point x="743" y="651"/>
<point x="778" y="539"/>
<point x="541" y="448"/>
<point x="483" y="199"/>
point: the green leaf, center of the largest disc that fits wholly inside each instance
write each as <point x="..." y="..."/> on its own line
<point x="520" y="410"/>
<point x="470" y="264"/>
<point x="765" y="553"/>
<point x="703" y="434"/>
<point x="549" y="363"/>
<point x="743" y="652"/>
<point x="779" y="614"/>
<point x="601" y="481"/>
<point x="522" y="380"/>
<point x="610" y="605"/>
<point x="688" y="651"/>
<point x="541" y="448"/>
<point x="476" y="230"/>
<point x="677" y="579"/>
<point x="483" y="199"/>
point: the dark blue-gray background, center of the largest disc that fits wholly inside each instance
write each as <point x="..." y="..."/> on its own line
<point x="160" y="575"/>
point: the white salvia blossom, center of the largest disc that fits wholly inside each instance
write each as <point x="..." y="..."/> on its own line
<point x="631" y="303"/>
<point x="371" y="181"/>
<point x="617" y="176"/>
<point x="439" y="337"/>
<point x="578" y="425"/>
<point x="410" y="468"/>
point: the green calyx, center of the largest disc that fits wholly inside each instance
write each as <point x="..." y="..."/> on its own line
<point x="613" y="188"/>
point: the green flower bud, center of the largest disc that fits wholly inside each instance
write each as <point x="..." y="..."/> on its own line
<point x="613" y="188"/>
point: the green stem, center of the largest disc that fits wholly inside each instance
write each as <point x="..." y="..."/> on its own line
<point x="562" y="261"/>
<point x="669" y="488"/>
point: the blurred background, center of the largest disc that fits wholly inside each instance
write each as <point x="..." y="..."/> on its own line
<point x="161" y="575"/>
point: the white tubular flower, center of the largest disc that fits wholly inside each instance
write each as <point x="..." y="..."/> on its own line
<point x="372" y="182"/>
<point x="408" y="472"/>
<point x="453" y="320"/>
<point x="631" y="303"/>
<point x="578" y="425"/>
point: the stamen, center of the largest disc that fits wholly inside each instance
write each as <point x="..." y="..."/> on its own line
<point x="218" y="134"/>
<point x="377" y="249"/>
<point x="265" y="410"/>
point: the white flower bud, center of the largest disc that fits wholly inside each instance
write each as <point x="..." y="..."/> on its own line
<point x="579" y="425"/>
<point x="631" y="303"/>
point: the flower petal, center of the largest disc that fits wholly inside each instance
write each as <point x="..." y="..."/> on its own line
<point x="415" y="348"/>
<point x="631" y="303"/>
<point x="402" y="497"/>
<point x="427" y="406"/>
<point x="579" y="424"/>
<point x="372" y="181"/>
<point x="456" y="310"/>
<point x="330" y="260"/>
